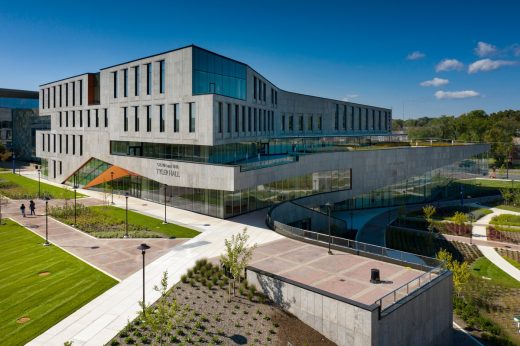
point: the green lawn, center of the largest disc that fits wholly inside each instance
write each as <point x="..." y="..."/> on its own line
<point x="508" y="207"/>
<point x="19" y="187"/>
<point x="483" y="267"/>
<point x="44" y="299"/>
<point x="512" y="261"/>
<point x="491" y="183"/>
<point x="506" y="220"/>
<point x="109" y="222"/>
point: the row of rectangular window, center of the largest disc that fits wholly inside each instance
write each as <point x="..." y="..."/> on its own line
<point x="136" y="75"/>
<point x="46" y="143"/>
<point x="94" y="113"/>
<point x="57" y="95"/>
<point x="254" y="120"/>
<point x="367" y="119"/>
<point x="162" y="117"/>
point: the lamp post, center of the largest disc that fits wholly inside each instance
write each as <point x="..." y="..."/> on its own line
<point x="112" y="185"/>
<point x="143" y="247"/>
<point x="126" y="217"/>
<point x="46" y="222"/>
<point x="39" y="182"/>
<point x="75" y="197"/>
<point x="165" y="222"/>
<point x="328" y="205"/>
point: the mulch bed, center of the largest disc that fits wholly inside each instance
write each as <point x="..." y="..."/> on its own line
<point x="249" y="318"/>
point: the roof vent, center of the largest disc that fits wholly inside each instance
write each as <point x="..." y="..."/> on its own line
<point x="374" y="276"/>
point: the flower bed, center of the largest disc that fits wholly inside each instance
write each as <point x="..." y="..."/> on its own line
<point x="207" y="316"/>
<point x="502" y="234"/>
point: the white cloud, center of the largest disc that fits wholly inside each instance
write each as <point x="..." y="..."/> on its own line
<point x="449" y="95"/>
<point x="449" y="65"/>
<point x="415" y="55"/>
<point x="350" y="97"/>
<point x="516" y="50"/>
<point x="489" y="65"/>
<point x="436" y="82"/>
<point x="485" y="49"/>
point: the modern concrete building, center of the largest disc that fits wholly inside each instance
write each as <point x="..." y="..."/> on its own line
<point x="19" y="122"/>
<point x="202" y="132"/>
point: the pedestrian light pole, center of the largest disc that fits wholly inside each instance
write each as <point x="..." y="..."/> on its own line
<point x="165" y="222"/>
<point x="14" y="162"/>
<point x="329" y="206"/>
<point x="143" y="247"/>
<point x="75" y="199"/>
<point x="112" y="185"/>
<point x="39" y="182"/>
<point x="46" y="222"/>
<point x="126" y="217"/>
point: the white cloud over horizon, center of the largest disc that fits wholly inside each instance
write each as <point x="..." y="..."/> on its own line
<point x="416" y="55"/>
<point x="485" y="49"/>
<point x="485" y="65"/>
<point x="435" y="82"/>
<point x="349" y="97"/>
<point x="455" y="95"/>
<point x="449" y="65"/>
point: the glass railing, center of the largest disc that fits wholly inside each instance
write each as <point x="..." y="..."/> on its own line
<point x="263" y="163"/>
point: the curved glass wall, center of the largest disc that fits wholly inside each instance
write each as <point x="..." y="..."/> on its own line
<point x="215" y="74"/>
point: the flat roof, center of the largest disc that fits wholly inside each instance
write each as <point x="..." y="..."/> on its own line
<point x="19" y="94"/>
<point x="341" y="274"/>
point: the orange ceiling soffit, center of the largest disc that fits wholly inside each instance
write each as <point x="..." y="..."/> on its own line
<point x="114" y="172"/>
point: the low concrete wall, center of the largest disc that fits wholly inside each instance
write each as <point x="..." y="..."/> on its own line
<point x="423" y="318"/>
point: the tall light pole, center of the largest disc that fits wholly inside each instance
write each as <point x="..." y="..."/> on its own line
<point x="329" y="206"/>
<point x="143" y="247"/>
<point x="126" y="217"/>
<point x="112" y="185"/>
<point x="46" y="222"/>
<point x="165" y="222"/>
<point x="39" y="182"/>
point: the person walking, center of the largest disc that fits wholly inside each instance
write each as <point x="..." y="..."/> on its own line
<point x="32" y="207"/>
<point x="22" y="209"/>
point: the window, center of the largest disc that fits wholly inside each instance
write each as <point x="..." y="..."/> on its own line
<point x="73" y="93"/>
<point x="136" y="81"/>
<point x="161" y="76"/>
<point x="73" y="119"/>
<point x="88" y="117"/>
<point x="265" y="87"/>
<point x="148" y="119"/>
<point x="73" y="144"/>
<point x="243" y="118"/>
<point x="344" y="117"/>
<point x="214" y="74"/>
<point x="61" y="94"/>
<point x="336" y="118"/>
<point x="80" y="145"/>
<point x="66" y="119"/>
<point x="48" y="98"/>
<point x="310" y="125"/>
<point x="228" y="117"/>
<point x="61" y="168"/>
<point x="254" y="121"/>
<point x="136" y="119"/>
<point x="80" y="92"/>
<point x="272" y="96"/>
<point x="54" y="168"/>
<point x="60" y="140"/>
<point x="193" y="114"/>
<point x="54" y="96"/>
<point x="291" y="125"/>
<point x="125" y="82"/>
<point x="351" y="118"/>
<point x="66" y="94"/>
<point x="373" y="119"/>
<point x="283" y="122"/>
<point x="249" y="119"/>
<point x="320" y="122"/>
<point x="43" y="143"/>
<point x="66" y="144"/>
<point x="54" y="142"/>
<point x="300" y="123"/>
<point x="148" y="79"/>
<point x="220" y="118"/>
<point x="237" y="111"/>
<point x="254" y="88"/>
<point x="60" y="119"/>
<point x="106" y="117"/>
<point x="97" y="117"/>
<point x="276" y="97"/>
<point x="80" y="118"/>
<point x="125" y="120"/>
<point x="114" y="79"/>
<point x="161" y="118"/>
<point x="176" y="116"/>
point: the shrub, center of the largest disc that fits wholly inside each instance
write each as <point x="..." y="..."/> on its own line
<point x="114" y="343"/>
<point x="184" y="278"/>
<point x="209" y="284"/>
<point x="174" y="339"/>
<point x="129" y="340"/>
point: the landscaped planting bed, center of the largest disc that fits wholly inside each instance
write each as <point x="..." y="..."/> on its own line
<point x="110" y="222"/>
<point x="511" y="256"/>
<point x="503" y="234"/>
<point x="206" y="317"/>
<point x="445" y="213"/>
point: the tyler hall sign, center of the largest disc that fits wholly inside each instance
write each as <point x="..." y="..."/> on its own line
<point x="169" y="169"/>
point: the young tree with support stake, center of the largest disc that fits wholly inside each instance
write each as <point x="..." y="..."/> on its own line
<point x="237" y="256"/>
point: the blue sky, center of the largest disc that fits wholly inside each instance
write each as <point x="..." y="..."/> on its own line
<point x="355" y="50"/>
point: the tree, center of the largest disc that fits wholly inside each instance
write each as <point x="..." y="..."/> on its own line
<point x="428" y="212"/>
<point x="460" y="271"/>
<point x="237" y="255"/>
<point x="162" y="317"/>
<point x="507" y="195"/>
<point x="459" y="219"/>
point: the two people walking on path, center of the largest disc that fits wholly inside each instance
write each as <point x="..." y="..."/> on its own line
<point x="32" y="208"/>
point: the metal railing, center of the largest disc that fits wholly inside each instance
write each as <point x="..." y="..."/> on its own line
<point x="432" y="267"/>
<point x="249" y="166"/>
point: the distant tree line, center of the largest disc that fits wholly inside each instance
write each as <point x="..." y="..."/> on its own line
<point x="498" y="129"/>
